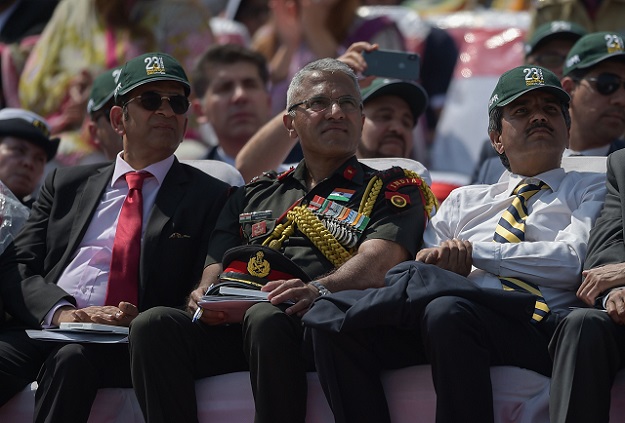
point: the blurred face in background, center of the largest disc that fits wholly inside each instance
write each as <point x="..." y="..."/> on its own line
<point x="102" y="133"/>
<point x="387" y="131"/>
<point x="236" y="104"/>
<point x="21" y="165"/>
<point x="551" y="54"/>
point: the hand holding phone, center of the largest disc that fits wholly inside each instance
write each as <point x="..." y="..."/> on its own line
<point x="392" y="64"/>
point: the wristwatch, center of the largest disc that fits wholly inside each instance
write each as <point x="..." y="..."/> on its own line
<point x="322" y="289"/>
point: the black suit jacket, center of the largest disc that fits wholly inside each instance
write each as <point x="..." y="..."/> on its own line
<point x="173" y="249"/>
<point x="606" y="244"/>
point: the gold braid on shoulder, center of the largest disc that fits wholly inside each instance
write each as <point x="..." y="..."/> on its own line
<point x="306" y="221"/>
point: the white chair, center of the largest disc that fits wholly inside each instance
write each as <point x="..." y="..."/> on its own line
<point x="219" y="170"/>
<point x="384" y="163"/>
<point x="597" y="164"/>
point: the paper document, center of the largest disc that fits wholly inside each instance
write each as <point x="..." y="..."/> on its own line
<point x="233" y="301"/>
<point x="58" y="335"/>
<point x="230" y="290"/>
<point x="93" y="327"/>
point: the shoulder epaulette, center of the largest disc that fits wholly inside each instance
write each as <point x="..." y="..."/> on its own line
<point x="397" y="177"/>
<point x="269" y="175"/>
<point x="391" y="173"/>
<point x="286" y="173"/>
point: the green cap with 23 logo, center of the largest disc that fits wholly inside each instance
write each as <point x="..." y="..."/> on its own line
<point x="592" y="49"/>
<point x="150" y="67"/>
<point x="521" y="80"/>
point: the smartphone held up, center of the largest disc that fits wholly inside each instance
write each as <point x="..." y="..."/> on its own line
<point x="392" y="64"/>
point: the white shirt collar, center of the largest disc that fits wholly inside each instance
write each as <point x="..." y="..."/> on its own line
<point x="158" y="170"/>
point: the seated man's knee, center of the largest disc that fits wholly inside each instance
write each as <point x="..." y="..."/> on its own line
<point x="156" y="323"/>
<point x="70" y="359"/>
<point x="265" y="323"/>
<point x="444" y="313"/>
<point x="590" y="324"/>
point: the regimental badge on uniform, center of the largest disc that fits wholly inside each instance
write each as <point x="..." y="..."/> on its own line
<point x="252" y="266"/>
<point x="258" y="266"/>
<point x="396" y="199"/>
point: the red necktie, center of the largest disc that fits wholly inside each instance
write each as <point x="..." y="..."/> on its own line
<point x="124" y="273"/>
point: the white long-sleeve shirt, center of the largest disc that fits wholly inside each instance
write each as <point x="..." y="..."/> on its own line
<point x="556" y="235"/>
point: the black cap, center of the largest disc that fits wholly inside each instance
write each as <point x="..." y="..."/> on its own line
<point x="30" y="126"/>
<point x="255" y="265"/>
<point x="410" y="92"/>
<point x="554" y="30"/>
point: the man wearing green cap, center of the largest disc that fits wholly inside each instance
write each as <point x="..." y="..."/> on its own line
<point x="105" y="242"/>
<point x="548" y="47"/>
<point x="592" y="71"/>
<point x="483" y="291"/>
<point x="589" y="346"/>
<point x="593" y="76"/>
<point x="101" y="101"/>
<point x="550" y="43"/>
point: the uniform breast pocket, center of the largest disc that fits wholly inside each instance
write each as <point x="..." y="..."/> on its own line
<point x="254" y="231"/>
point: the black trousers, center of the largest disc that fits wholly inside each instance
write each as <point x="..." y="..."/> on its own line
<point x="588" y="350"/>
<point x="69" y="375"/>
<point x="461" y="336"/>
<point x="169" y="352"/>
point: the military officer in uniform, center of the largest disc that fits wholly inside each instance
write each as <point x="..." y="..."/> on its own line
<point x="336" y="223"/>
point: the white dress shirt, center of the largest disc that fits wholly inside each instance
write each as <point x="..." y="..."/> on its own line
<point x="556" y="234"/>
<point x="86" y="276"/>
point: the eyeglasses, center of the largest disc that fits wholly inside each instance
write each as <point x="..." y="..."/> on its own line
<point x="606" y="83"/>
<point x="152" y="101"/>
<point x="347" y="104"/>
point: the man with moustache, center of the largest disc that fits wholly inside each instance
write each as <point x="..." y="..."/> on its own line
<point x="498" y="271"/>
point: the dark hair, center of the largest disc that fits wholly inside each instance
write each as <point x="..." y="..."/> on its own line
<point x="494" y="125"/>
<point x="225" y="54"/>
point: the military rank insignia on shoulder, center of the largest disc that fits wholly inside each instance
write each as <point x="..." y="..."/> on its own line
<point x="286" y="173"/>
<point x="268" y="175"/>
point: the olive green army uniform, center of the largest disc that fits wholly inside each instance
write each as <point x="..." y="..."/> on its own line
<point x="355" y="204"/>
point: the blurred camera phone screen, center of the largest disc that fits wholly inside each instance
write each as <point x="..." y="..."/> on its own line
<point x="392" y="64"/>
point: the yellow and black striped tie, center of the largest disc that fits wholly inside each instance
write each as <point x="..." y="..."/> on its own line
<point x="511" y="228"/>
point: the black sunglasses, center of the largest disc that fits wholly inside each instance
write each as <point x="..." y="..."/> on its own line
<point x="152" y="101"/>
<point x="606" y="83"/>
